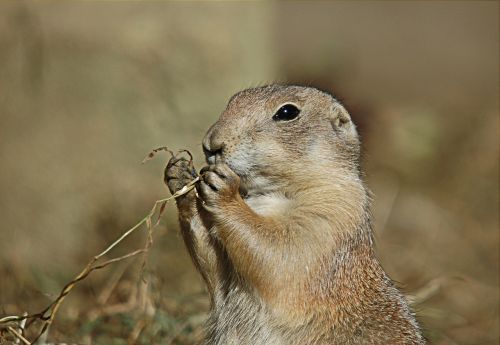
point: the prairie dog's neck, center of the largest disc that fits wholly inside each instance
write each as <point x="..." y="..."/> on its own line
<point x="340" y="199"/>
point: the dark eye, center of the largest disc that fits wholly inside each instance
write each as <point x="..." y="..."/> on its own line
<point x="286" y="113"/>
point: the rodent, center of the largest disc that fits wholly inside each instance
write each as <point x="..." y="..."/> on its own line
<point x="280" y="227"/>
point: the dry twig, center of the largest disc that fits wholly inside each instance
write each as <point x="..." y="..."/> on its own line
<point x="48" y="314"/>
<point x="18" y="335"/>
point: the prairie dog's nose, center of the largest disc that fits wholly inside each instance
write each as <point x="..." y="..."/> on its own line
<point x="212" y="145"/>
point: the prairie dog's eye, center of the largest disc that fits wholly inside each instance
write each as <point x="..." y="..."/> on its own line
<point x="286" y="113"/>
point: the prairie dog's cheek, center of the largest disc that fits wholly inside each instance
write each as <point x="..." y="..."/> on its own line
<point x="278" y="153"/>
<point x="268" y="145"/>
<point x="241" y="160"/>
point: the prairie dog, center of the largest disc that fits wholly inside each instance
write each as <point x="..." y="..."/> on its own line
<point x="281" y="228"/>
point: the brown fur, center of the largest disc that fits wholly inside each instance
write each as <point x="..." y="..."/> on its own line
<point x="281" y="232"/>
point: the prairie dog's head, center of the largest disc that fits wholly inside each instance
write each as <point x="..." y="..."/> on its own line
<point x="273" y="134"/>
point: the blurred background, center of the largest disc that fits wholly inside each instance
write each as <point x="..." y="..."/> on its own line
<point x="87" y="89"/>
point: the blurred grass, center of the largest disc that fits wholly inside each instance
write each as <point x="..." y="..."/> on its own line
<point x="88" y="88"/>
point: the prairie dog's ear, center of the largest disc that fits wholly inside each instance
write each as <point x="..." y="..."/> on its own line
<point x="341" y="121"/>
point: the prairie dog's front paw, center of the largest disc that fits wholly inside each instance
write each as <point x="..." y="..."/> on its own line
<point x="178" y="173"/>
<point x="219" y="185"/>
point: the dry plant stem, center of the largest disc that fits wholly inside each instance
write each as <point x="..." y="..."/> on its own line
<point x="155" y="151"/>
<point x="176" y="332"/>
<point x="111" y="284"/>
<point x="22" y="325"/>
<point x="18" y="336"/>
<point x="136" y="332"/>
<point x="49" y="313"/>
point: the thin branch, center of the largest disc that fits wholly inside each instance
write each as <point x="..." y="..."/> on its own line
<point x="18" y="335"/>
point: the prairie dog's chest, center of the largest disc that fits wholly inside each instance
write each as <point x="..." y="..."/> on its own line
<point x="243" y="321"/>
<point x="268" y="204"/>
